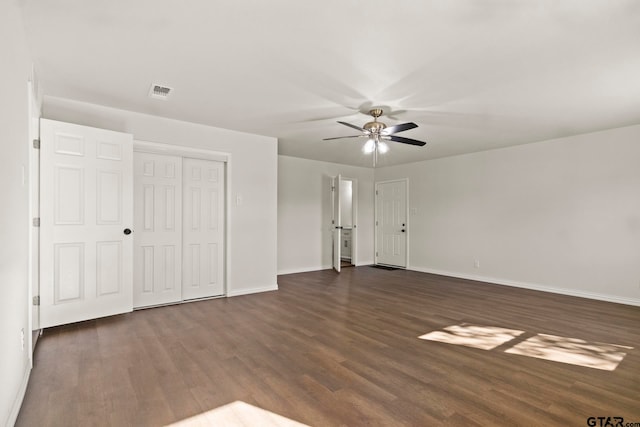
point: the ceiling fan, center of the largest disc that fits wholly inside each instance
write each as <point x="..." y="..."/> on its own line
<point x="377" y="133"/>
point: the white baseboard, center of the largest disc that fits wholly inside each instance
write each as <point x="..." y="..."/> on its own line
<point x="318" y="268"/>
<point x="366" y="262"/>
<point x="17" y="404"/>
<point x="533" y="286"/>
<point x="304" y="269"/>
<point x="252" y="291"/>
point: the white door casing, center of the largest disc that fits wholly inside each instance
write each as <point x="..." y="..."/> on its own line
<point x="34" y="208"/>
<point x="203" y="228"/>
<point x="86" y="204"/>
<point x="391" y="223"/>
<point x="157" y="239"/>
<point x="337" y="224"/>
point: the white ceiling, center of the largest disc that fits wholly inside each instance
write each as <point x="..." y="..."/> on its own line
<point x="474" y="75"/>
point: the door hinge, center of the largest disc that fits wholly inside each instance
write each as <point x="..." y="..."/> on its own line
<point x="376" y="223"/>
<point x="376" y="253"/>
<point x="376" y="192"/>
<point x="36" y="144"/>
<point x="36" y="300"/>
<point x="36" y="222"/>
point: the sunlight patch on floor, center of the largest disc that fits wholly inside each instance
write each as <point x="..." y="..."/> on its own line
<point x="476" y="336"/>
<point x="237" y="413"/>
<point x="572" y="350"/>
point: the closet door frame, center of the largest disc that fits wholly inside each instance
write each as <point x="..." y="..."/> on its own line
<point x="198" y="153"/>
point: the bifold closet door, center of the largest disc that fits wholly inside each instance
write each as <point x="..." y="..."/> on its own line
<point x="158" y="229"/>
<point x="203" y="228"/>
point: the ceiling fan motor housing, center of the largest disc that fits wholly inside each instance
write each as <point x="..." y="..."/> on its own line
<point x="375" y="126"/>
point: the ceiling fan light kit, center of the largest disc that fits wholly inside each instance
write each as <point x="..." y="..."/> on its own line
<point x="382" y="147"/>
<point x="369" y="146"/>
<point x="377" y="133"/>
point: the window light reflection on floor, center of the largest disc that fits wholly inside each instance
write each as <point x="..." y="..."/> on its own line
<point x="237" y="413"/>
<point x="573" y="351"/>
<point x="541" y="346"/>
<point x="476" y="336"/>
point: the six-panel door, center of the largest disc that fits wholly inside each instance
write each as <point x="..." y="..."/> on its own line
<point x="391" y="223"/>
<point x="157" y="269"/>
<point x="203" y="229"/>
<point x="86" y="204"/>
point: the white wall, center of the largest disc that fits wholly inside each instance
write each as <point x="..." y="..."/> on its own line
<point x="253" y="176"/>
<point x="304" y="213"/>
<point x="560" y="215"/>
<point x="14" y="222"/>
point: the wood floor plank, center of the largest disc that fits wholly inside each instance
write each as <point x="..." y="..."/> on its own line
<point x="333" y="349"/>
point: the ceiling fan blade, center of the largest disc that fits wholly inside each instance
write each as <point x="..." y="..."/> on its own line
<point x="351" y="126"/>
<point x="399" y="128"/>
<point x="342" y="137"/>
<point x="405" y="140"/>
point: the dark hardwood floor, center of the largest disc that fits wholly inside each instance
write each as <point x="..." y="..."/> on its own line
<point x="329" y="349"/>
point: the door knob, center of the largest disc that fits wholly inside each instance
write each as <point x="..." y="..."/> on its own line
<point x="402" y="230"/>
<point x="127" y="231"/>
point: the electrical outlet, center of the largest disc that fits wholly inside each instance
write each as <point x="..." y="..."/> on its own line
<point x="22" y="338"/>
<point x="476" y="263"/>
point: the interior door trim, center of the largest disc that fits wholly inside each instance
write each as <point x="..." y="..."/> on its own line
<point x="178" y="150"/>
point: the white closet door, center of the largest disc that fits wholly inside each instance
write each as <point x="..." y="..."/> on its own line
<point x="86" y="201"/>
<point x="157" y="268"/>
<point x="203" y="229"/>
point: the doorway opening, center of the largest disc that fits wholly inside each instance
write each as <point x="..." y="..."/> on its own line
<point x="346" y="213"/>
<point x="344" y="198"/>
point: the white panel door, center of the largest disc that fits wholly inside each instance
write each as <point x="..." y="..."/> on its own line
<point x="337" y="223"/>
<point x="157" y="270"/>
<point x="203" y="228"/>
<point x="86" y="204"/>
<point x="391" y="221"/>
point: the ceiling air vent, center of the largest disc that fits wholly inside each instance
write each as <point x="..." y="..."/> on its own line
<point x="159" y="91"/>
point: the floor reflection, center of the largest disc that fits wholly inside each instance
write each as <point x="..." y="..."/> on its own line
<point x="573" y="351"/>
<point x="476" y="336"/>
<point x="237" y="414"/>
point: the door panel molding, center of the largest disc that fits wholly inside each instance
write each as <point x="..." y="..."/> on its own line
<point x="173" y="221"/>
<point x="203" y="228"/>
<point x="157" y="210"/>
<point x="86" y="202"/>
<point x="392" y="249"/>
